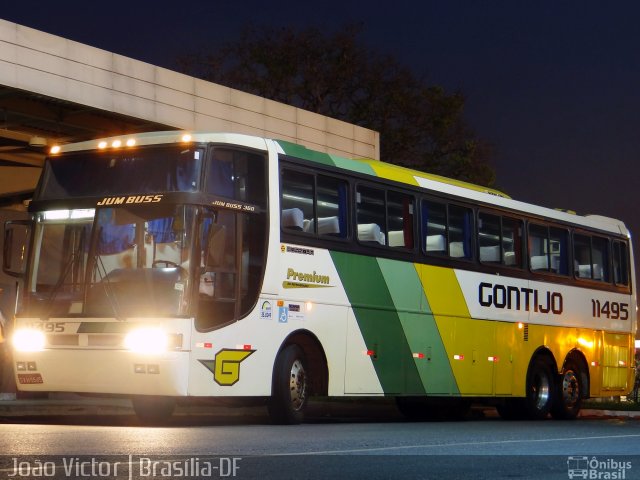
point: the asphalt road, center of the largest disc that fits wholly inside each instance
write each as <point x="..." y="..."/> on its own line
<point x="351" y="446"/>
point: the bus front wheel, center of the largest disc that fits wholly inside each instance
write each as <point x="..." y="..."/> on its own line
<point x="290" y="388"/>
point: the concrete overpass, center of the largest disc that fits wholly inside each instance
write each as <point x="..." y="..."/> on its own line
<point x="54" y="90"/>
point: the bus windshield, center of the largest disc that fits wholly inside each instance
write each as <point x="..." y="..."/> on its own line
<point x="102" y="173"/>
<point x="115" y="262"/>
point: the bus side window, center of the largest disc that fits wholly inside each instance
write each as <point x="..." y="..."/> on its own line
<point x="620" y="263"/>
<point x="600" y="258"/>
<point x="331" y="207"/>
<point x="460" y="226"/>
<point x="400" y="209"/>
<point x="591" y="256"/>
<point x="548" y="249"/>
<point x="559" y="250"/>
<point x="538" y="248"/>
<point x="582" y="256"/>
<point x="370" y="207"/>
<point x="489" y="238"/>
<point x="434" y="227"/>
<point x="512" y="242"/>
<point x="298" y="191"/>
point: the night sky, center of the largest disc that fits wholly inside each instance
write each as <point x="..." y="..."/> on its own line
<point x="552" y="84"/>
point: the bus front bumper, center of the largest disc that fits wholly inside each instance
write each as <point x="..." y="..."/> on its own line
<point x="102" y="371"/>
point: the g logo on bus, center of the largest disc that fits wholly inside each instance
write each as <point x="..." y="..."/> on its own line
<point x="226" y="366"/>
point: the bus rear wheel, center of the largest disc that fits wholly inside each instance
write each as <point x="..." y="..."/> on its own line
<point x="290" y="387"/>
<point x="540" y="389"/>
<point x="568" y="399"/>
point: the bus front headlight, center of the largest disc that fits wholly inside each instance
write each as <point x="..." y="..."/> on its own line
<point x="28" y="340"/>
<point x="147" y="340"/>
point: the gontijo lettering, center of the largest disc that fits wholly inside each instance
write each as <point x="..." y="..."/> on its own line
<point x="519" y="298"/>
<point x="307" y="277"/>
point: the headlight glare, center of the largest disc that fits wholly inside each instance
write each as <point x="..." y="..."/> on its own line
<point x="28" y="340"/>
<point x="147" y="340"/>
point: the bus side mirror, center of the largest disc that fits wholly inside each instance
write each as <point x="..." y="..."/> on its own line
<point x="16" y="247"/>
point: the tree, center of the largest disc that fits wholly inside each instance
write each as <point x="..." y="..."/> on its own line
<point x="420" y="125"/>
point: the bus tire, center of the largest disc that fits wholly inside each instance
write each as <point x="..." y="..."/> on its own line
<point x="152" y="410"/>
<point x="568" y="399"/>
<point x="290" y="387"/>
<point x="540" y="387"/>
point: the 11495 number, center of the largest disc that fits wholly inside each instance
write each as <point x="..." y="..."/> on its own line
<point x="612" y="310"/>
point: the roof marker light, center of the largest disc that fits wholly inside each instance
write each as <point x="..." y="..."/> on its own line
<point x="55" y="149"/>
<point x="131" y="142"/>
<point x="102" y="145"/>
<point x="116" y="143"/>
<point x="186" y="138"/>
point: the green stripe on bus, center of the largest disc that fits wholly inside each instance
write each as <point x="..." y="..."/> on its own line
<point x="304" y="153"/>
<point x="419" y="326"/>
<point x="332" y="160"/>
<point x="354" y="166"/>
<point x="379" y="323"/>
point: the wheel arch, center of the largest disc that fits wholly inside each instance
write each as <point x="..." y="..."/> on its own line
<point x="545" y="353"/>
<point x="315" y="356"/>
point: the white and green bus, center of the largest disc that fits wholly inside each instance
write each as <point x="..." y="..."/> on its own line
<point x="168" y="265"/>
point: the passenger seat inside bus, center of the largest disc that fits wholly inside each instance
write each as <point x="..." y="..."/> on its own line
<point x="370" y="232"/>
<point x="436" y="243"/>
<point x="396" y="238"/>
<point x="326" y="225"/>
<point x="293" y="218"/>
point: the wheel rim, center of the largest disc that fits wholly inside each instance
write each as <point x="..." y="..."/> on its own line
<point x="541" y="390"/>
<point x="570" y="389"/>
<point x="298" y="385"/>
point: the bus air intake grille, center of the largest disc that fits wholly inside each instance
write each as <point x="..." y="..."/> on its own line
<point x="63" y="340"/>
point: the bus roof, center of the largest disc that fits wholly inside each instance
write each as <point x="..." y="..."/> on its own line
<point x="377" y="168"/>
